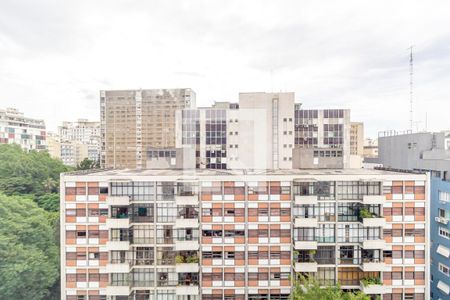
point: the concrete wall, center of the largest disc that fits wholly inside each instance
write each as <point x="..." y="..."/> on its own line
<point x="303" y="158"/>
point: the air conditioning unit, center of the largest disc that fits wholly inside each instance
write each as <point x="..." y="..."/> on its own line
<point x="441" y="220"/>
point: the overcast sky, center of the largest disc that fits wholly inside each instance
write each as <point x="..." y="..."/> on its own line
<point x="55" y="56"/>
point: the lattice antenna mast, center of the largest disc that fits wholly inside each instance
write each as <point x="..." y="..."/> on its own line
<point x="411" y="82"/>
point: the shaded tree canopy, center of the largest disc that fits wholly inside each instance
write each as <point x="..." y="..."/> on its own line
<point x="86" y="164"/>
<point x="28" y="249"/>
<point x="30" y="172"/>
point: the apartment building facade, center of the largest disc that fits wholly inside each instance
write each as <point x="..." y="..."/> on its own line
<point x="132" y="121"/>
<point x="427" y="151"/>
<point x="83" y="131"/>
<point x="27" y="132"/>
<point x="322" y="138"/>
<point x="217" y="234"/>
<point x="75" y="141"/>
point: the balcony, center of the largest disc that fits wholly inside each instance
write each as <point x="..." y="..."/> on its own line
<point x="186" y="199"/>
<point x="303" y="199"/>
<point x="187" y="217"/>
<point x="187" y="262"/>
<point x="187" y="267"/>
<point x="117" y="245"/>
<point x="306" y="266"/>
<point x="190" y="244"/>
<point x="123" y="290"/>
<point x="191" y="290"/>
<point x="373" y="244"/>
<point x="118" y="266"/>
<point x="374" y="222"/>
<point x="372" y="265"/>
<point x="372" y="287"/>
<point x="369" y="219"/>
<point x="305" y="222"/>
<point x="117" y="222"/>
<point x="118" y="200"/>
<point x="186" y="223"/>
<point x="374" y="199"/>
<point x="305" y="245"/>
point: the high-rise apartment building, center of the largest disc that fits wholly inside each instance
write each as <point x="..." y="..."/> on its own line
<point x="218" y="234"/>
<point x="27" y="132"/>
<point x="133" y="121"/>
<point x="427" y="151"/>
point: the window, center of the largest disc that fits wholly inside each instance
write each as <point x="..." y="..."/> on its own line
<point x="443" y="196"/>
<point x="119" y="279"/>
<point x="212" y="255"/>
<point x="415" y="232"/>
<point x="444" y="232"/>
<point x="444" y="269"/>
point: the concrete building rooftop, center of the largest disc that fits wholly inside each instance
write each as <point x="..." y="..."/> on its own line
<point x="211" y="173"/>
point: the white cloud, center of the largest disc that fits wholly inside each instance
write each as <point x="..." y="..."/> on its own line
<point x="56" y="55"/>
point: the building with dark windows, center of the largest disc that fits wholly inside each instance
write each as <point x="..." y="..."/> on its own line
<point x="230" y="234"/>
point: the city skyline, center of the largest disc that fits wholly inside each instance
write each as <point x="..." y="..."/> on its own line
<point x="361" y="65"/>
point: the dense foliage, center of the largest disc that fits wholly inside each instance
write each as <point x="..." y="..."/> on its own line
<point x="29" y="224"/>
<point x="87" y="163"/>
<point x="28" y="249"/>
<point x="310" y="289"/>
<point x="30" y="173"/>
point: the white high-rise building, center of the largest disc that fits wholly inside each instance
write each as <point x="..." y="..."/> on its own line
<point x="27" y="132"/>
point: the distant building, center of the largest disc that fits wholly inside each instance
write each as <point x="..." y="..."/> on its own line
<point x="133" y="121"/>
<point x="370" y="148"/>
<point x="72" y="153"/>
<point x="75" y="141"/>
<point x="427" y="151"/>
<point x="27" y="132"/>
<point x="322" y="138"/>
<point x="266" y="131"/>
<point x="84" y="131"/>
<point x="357" y="138"/>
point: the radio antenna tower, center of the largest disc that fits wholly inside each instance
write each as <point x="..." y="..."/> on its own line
<point x="411" y="72"/>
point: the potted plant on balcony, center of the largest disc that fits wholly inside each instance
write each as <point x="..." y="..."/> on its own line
<point x="371" y="281"/>
<point x="193" y="259"/>
<point x="179" y="259"/>
<point x="365" y="213"/>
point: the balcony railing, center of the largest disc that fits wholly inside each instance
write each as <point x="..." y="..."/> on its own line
<point x="166" y="261"/>
<point x="143" y="262"/>
<point x="188" y="282"/>
<point x="167" y="282"/>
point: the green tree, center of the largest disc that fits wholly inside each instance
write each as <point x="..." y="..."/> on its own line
<point x="49" y="202"/>
<point x="30" y="172"/>
<point x="309" y="289"/>
<point x="87" y="164"/>
<point x="28" y="249"/>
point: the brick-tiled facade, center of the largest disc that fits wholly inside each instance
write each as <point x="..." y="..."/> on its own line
<point x="170" y="234"/>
